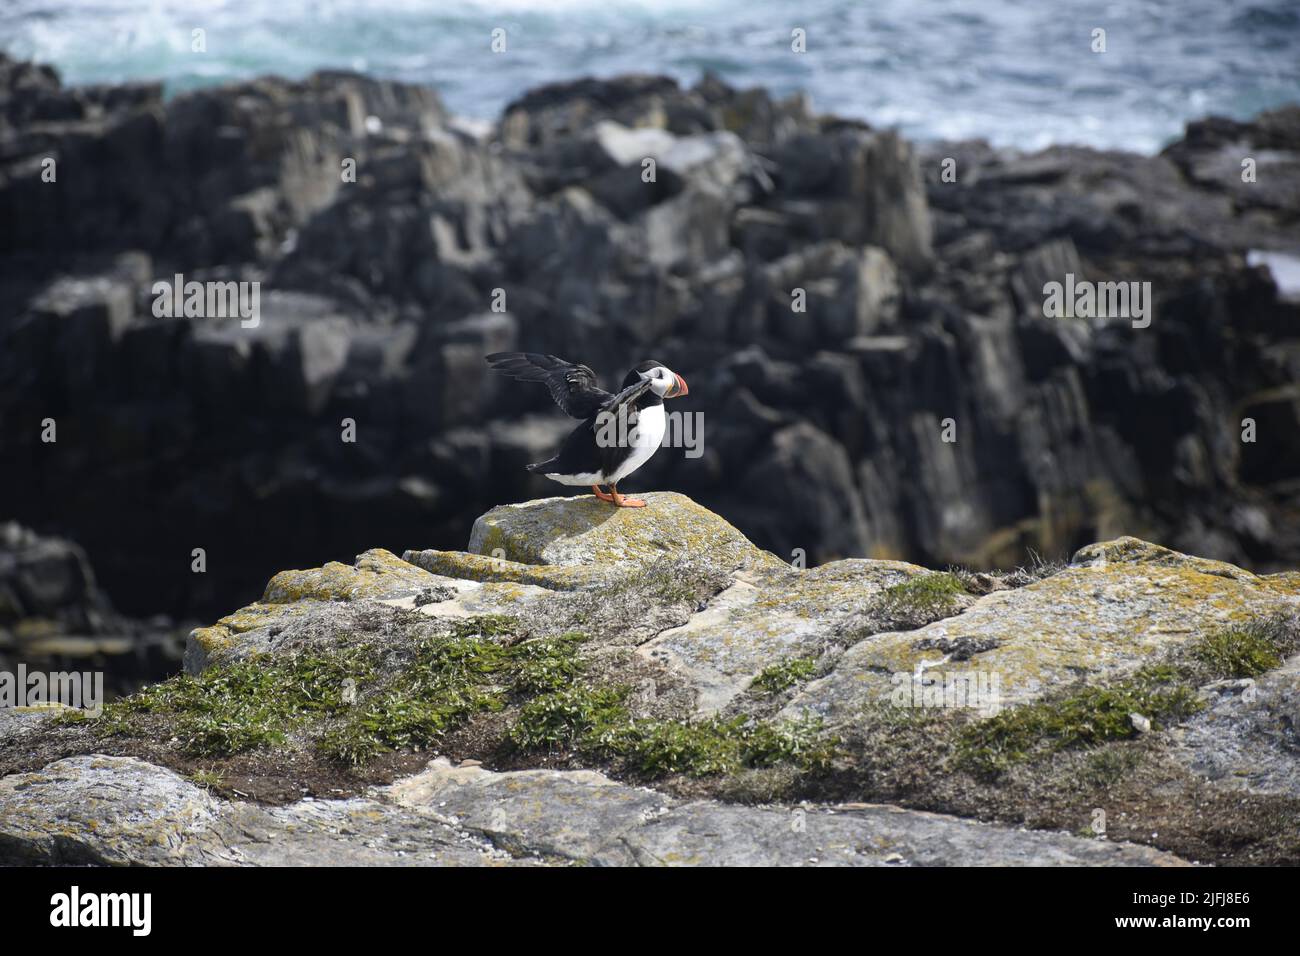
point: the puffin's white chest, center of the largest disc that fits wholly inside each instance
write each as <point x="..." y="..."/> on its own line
<point x="650" y="425"/>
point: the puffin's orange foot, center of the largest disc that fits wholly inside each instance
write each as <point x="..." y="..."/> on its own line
<point x="600" y="494"/>
<point x="625" y="502"/>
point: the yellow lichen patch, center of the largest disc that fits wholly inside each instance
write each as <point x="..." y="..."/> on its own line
<point x="1286" y="582"/>
<point x="221" y="635"/>
<point x="377" y="573"/>
<point x="206" y="642"/>
<point x="44" y="706"/>
<point x="495" y="597"/>
<point x="479" y="567"/>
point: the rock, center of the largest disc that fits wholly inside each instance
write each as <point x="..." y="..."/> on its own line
<point x="1267" y="460"/>
<point x="584" y="533"/>
<point x="377" y="574"/>
<point x="864" y="187"/>
<point x="57" y="816"/>
<point x="1118" y="605"/>
<point x="803" y="482"/>
<point x="121" y="811"/>
<point x="773" y="616"/>
<point x="701" y="643"/>
<point x="849" y="293"/>
<point x="1238" y="743"/>
<point x="588" y="818"/>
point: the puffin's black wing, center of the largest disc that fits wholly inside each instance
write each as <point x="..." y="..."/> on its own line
<point x="572" y="386"/>
<point x="628" y="396"/>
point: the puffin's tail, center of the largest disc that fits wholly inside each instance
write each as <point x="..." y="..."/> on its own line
<point x="542" y="467"/>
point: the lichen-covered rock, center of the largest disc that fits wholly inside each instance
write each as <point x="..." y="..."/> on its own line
<point x="16" y="721"/>
<point x="710" y="834"/>
<point x="126" y="812"/>
<point x="770" y="616"/>
<point x="377" y="573"/>
<point x="1117" y="606"/>
<point x="304" y="596"/>
<point x="586" y="532"/>
<point x="123" y="811"/>
<point x="1247" y="737"/>
<point x="586" y="817"/>
<point x="573" y="814"/>
<point x="104" y="810"/>
<point x="659" y="646"/>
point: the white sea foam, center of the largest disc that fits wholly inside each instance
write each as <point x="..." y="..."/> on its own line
<point x="1015" y="73"/>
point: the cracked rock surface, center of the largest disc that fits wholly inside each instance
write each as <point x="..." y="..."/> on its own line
<point x="114" y="810"/>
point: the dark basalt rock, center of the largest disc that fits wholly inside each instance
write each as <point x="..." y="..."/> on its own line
<point x="55" y="618"/>
<point x="824" y="429"/>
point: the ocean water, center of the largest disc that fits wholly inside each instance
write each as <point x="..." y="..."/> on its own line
<point x="1016" y="72"/>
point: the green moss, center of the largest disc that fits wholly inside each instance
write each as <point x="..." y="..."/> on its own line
<point x="1081" y="718"/>
<point x="450" y="679"/>
<point x="243" y="705"/>
<point x="922" y="599"/>
<point x="485" y="625"/>
<point x="1245" y="651"/>
<point x="547" y="664"/>
<point x="595" y="722"/>
<point x="402" y="696"/>
<point x="397" y="719"/>
<point x="570" y="716"/>
<point x="785" y="674"/>
<point x="1108" y="765"/>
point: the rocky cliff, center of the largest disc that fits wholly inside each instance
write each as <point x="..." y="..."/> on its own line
<point x="823" y="427"/>
<point x="603" y="686"/>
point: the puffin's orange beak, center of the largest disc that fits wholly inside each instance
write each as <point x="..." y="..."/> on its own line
<point x="680" y="388"/>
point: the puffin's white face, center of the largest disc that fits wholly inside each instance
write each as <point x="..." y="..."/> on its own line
<point x="665" y="383"/>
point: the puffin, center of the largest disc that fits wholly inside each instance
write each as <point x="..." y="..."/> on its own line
<point x="591" y="455"/>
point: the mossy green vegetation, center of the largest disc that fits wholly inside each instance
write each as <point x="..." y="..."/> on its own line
<point x="1081" y="718"/>
<point x="784" y="674"/>
<point x="351" y="706"/>
<point x="568" y="716"/>
<point x="448" y="679"/>
<point x="244" y="705"/>
<point x="922" y="599"/>
<point x="594" y="721"/>
<point x="1245" y="651"/>
<point x="1164" y="692"/>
